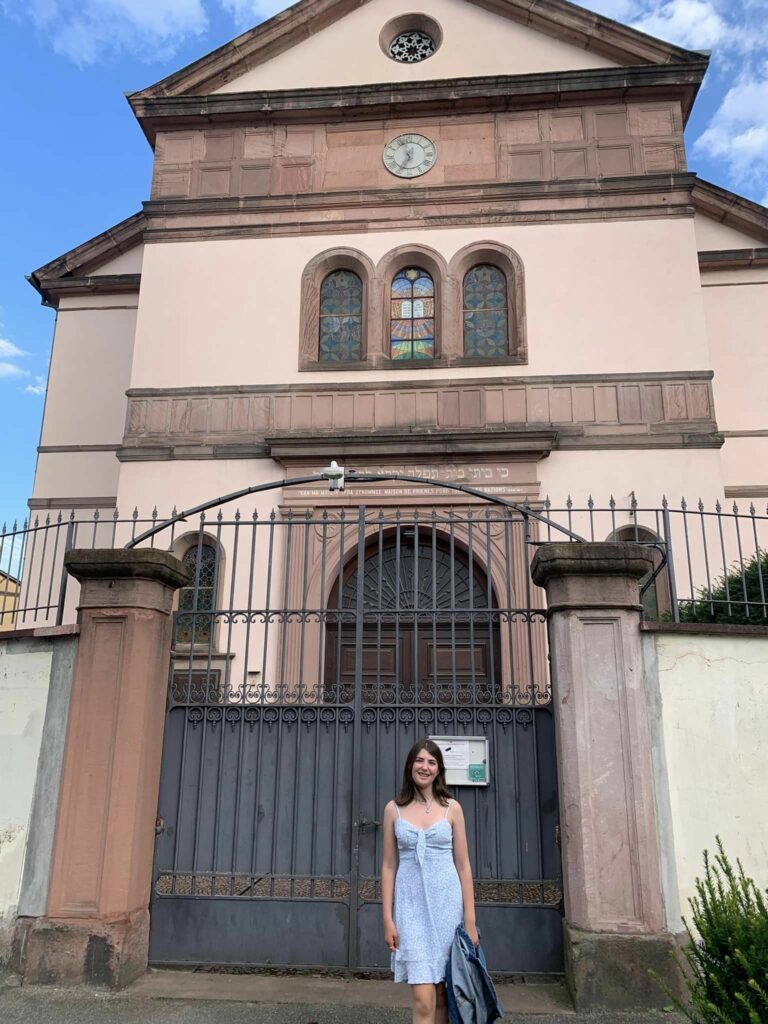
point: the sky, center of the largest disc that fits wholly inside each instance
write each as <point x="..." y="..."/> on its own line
<point x="73" y="160"/>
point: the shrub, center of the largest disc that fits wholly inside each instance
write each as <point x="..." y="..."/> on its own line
<point x="727" y="952"/>
<point x="738" y="596"/>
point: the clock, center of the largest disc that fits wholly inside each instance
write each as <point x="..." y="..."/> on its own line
<point x="408" y="156"/>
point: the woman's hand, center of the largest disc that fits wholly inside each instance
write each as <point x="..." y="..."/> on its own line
<point x="471" y="930"/>
<point x="390" y="935"/>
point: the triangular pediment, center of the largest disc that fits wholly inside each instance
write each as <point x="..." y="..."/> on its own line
<point x="110" y="262"/>
<point x="320" y="43"/>
<point x="726" y="221"/>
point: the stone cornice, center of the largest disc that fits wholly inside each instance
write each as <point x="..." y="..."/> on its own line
<point x="440" y="96"/>
<point x="522" y="444"/>
<point x="733" y="259"/>
<point x="558" y="18"/>
<point x="365" y="210"/>
<point x="645" y="410"/>
<point x="104" y="284"/>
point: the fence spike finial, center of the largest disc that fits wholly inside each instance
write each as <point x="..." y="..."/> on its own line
<point x="590" y="502"/>
<point x="752" y="508"/>
<point x="683" y="504"/>
<point x="718" y="507"/>
<point x="735" y="509"/>
<point x="664" y="502"/>
<point x="701" y="505"/>
<point x="612" y="502"/>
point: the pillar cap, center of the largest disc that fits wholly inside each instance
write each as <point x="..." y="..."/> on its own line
<point x="597" y="558"/>
<point x="126" y="564"/>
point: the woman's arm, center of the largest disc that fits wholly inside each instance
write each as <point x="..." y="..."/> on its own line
<point x="388" y="868"/>
<point x="464" y="869"/>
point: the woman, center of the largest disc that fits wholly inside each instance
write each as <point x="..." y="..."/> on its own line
<point x="432" y="889"/>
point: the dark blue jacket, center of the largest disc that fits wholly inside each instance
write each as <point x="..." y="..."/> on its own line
<point x="471" y="996"/>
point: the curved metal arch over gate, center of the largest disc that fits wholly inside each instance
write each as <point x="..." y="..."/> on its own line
<point x="309" y="653"/>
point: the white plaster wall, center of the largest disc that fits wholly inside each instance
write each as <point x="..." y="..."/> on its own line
<point x="90" y="368"/>
<point x="711" y="234"/>
<point x="714" y="694"/>
<point x="475" y="42"/>
<point x="126" y="263"/>
<point x="24" y="680"/>
<point x="76" y="474"/>
<point x="600" y="297"/>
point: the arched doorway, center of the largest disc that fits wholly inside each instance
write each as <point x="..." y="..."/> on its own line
<point x="430" y="623"/>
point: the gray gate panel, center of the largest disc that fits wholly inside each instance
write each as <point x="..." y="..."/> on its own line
<point x="221" y="931"/>
<point x="524" y="940"/>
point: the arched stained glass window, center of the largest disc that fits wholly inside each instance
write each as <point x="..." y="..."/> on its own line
<point x="412" y="315"/>
<point x="198" y="596"/>
<point x="341" y="317"/>
<point x="486" y="313"/>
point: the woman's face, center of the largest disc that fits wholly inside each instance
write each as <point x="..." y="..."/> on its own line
<point x="424" y="769"/>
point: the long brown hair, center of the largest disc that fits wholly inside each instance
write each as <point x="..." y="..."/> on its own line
<point x="439" y="789"/>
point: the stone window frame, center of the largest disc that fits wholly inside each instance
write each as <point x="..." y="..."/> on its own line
<point x="509" y="263"/>
<point x="312" y="278"/>
<point x="449" y="305"/>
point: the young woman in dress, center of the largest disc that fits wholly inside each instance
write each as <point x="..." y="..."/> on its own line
<point x="426" y="881"/>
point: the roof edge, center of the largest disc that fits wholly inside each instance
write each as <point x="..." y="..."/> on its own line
<point x="730" y="208"/>
<point x="80" y="262"/>
<point x="558" y="18"/>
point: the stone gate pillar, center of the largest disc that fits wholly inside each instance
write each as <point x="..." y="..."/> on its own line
<point x="96" y="926"/>
<point x="614" y="914"/>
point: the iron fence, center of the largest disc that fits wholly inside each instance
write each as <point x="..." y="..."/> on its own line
<point x="710" y="563"/>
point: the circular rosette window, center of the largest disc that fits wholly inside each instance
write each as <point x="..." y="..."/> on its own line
<point x="411" y="38"/>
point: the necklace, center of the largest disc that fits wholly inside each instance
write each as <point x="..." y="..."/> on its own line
<point x="427" y="804"/>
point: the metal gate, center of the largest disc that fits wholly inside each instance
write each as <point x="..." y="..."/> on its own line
<point x="310" y="651"/>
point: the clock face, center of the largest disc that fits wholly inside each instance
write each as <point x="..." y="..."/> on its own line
<point x="408" y="156"/>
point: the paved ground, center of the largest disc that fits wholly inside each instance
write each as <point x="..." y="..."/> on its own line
<point x="182" y="998"/>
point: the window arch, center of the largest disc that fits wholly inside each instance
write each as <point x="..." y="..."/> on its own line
<point x="485" y="312"/>
<point x="341" y="317"/>
<point x="197" y="600"/>
<point x="412" y="315"/>
<point x="490" y="287"/>
<point x="656" y="598"/>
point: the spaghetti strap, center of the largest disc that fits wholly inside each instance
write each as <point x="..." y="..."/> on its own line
<point x="396" y="807"/>
<point x="447" y="808"/>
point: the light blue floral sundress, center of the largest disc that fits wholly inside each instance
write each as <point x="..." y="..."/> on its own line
<point x="428" y="900"/>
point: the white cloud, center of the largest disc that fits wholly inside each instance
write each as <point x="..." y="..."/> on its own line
<point x="89" y="31"/>
<point x="247" y="13"/>
<point x="38" y="388"/>
<point x="724" y="26"/>
<point x="10" y="351"/>
<point x="11" y="370"/>
<point x="738" y="131"/>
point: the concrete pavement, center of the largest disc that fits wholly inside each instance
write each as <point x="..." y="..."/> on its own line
<point x="181" y="997"/>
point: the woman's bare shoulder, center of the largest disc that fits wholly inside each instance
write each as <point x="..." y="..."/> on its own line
<point x="390" y="809"/>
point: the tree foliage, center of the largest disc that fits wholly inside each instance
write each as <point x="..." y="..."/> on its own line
<point x="727" y="951"/>
<point x="738" y="596"/>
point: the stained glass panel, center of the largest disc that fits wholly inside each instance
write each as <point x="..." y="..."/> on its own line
<point x="341" y="309"/>
<point x="486" y="318"/>
<point x="412" y="315"/>
<point x="197" y="628"/>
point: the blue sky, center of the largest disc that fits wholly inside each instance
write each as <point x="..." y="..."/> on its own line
<point x="73" y="160"/>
